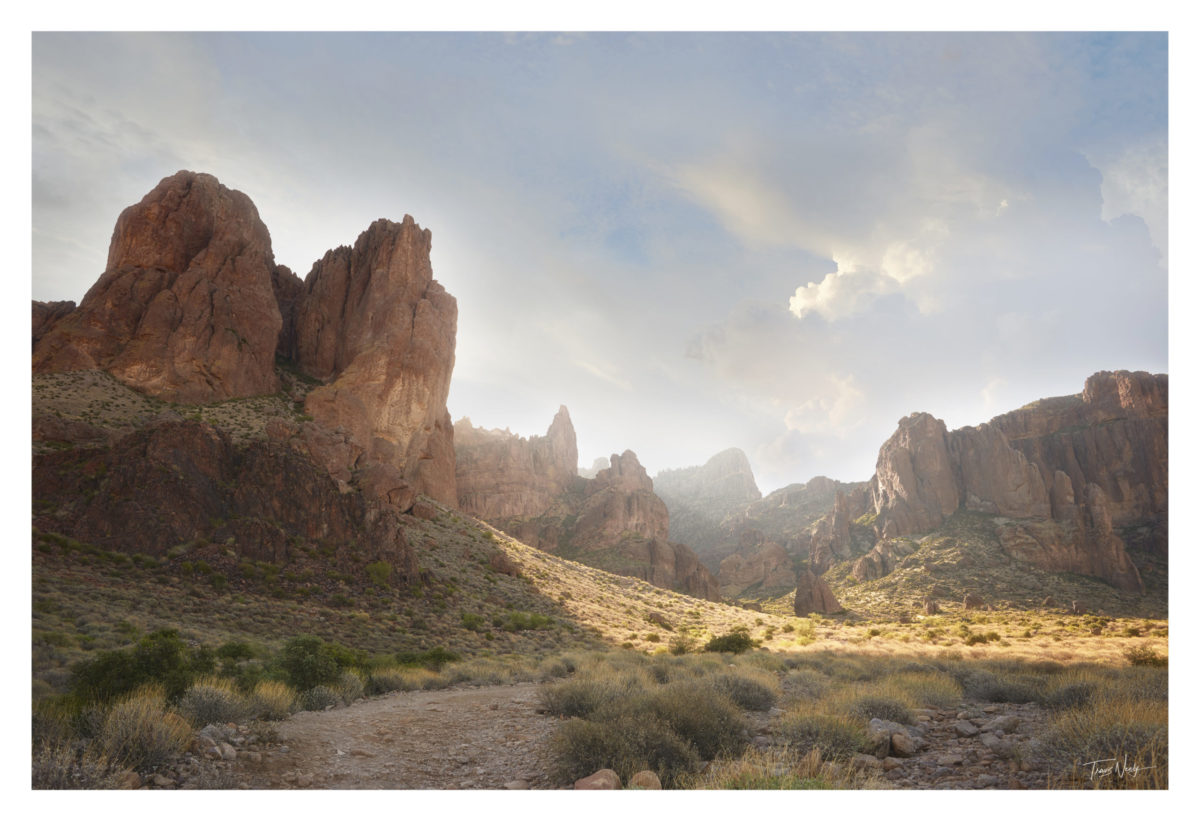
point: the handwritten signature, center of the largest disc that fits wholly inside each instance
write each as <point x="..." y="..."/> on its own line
<point x="1121" y="768"/>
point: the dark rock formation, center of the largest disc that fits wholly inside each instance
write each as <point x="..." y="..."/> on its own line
<point x="813" y="595"/>
<point x="46" y="315"/>
<point x="185" y="309"/>
<point x="174" y="482"/>
<point x="375" y="323"/>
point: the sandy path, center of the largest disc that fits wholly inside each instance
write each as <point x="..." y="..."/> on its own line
<point x="469" y="738"/>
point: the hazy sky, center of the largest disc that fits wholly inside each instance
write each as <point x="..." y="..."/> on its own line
<point x="780" y="242"/>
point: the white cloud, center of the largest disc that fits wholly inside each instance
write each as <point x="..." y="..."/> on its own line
<point x="837" y="409"/>
<point x="1135" y="182"/>
<point x="841" y="294"/>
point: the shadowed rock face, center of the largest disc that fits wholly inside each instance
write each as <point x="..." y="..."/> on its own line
<point x="46" y="315"/>
<point x="813" y="595"/>
<point x="185" y="309"/>
<point x="759" y="565"/>
<point x="173" y="482"/>
<point x="376" y="325"/>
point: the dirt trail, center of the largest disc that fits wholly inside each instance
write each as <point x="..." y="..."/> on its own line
<point x="466" y="738"/>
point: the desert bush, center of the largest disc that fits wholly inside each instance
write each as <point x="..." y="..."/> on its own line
<point x="1145" y="656"/>
<point x="746" y="689"/>
<point x="272" y="700"/>
<point x="307" y="661"/>
<point x="160" y="658"/>
<point x="736" y="641"/>
<point x="390" y="679"/>
<point x="1073" y="694"/>
<point x="694" y="711"/>
<point x="836" y="736"/>
<point x="69" y="766"/>
<point x="212" y="700"/>
<point x="984" y="685"/>
<point x="318" y="698"/>
<point x="931" y="688"/>
<point x="806" y="684"/>
<point x="868" y="707"/>
<point x="776" y="769"/>
<point x="380" y="573"/>
<point x="433" y="659"/>
<point x="1126" y="731"/>
<point x="139" y="731"/>
<point x="626" y="744"/>
<point x="681" y="644"/>
<point x="587" y="692"/>
<point x="350" y="687"/>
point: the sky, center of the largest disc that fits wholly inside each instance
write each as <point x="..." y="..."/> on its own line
<point x="782" y="242"/>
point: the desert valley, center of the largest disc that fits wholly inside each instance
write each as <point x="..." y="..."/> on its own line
<point x="265" y="556"/>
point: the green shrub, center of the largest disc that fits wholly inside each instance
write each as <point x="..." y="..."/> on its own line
<point x="681" y="644"/>
<point x="159" y="658"/>
<point x="692" y="710"/>
<point x="736" y="641"/>
<point x="836" y="736"/>
<point x="1145" y="656"/>
<point x="307" y="661"/>
<point x="626" y="744"/>
<point x="586" y="693"/>
<point x="380" y="573"/>
<point x="889" y="709"/>
<point x="472" y="621"/>
<point x="434" y="659"/>
<point x="212" y="701"/>
<point x="318" y="698"/>
<point x="140" y="733"/>
<point x="748" y="691"/>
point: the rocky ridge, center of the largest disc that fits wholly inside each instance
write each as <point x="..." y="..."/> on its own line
<point x="530" y="489"/>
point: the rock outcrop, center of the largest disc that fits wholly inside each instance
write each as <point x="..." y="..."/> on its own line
<point x="813" y="595"/>
<point x="502" y="476"/>
<point x="185" y="309"/>
<point x="699" y="499"/>
<point x="380" y="330"/>
<point x="46" y="315"/>
<point x="759" y="565"/>
<point x="1061" y="476"/>
<point x="530" y="488"/>
<point x="177" y="482"/>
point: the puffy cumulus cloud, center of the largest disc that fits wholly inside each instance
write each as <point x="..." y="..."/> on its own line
<point x="841" y="294"/>
<point x="1135" y="183"/>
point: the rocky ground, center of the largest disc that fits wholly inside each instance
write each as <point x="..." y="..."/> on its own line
<point x="494" y="737"/>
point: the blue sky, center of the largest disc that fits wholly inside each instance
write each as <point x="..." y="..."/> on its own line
<point x="780" y="242"/>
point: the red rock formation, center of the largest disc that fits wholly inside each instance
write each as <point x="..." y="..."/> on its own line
<point x="375" y="323"/>
<point x="914" y="488"/>
<point x="503" y="476"/>
<point x="185" y="309"/>
<point x="882" y="559"/>
<point x="174" y="482"/>
<point x="760" y="565"/>
<point x="46" y="315"/>
<point x="813" y="595"/>
<point x="620" y="501"/>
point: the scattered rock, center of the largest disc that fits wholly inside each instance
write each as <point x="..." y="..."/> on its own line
<point x="519" y="784"/>
<point x="903" y="745"/>
<point x="865" y="762"/>
<point x="645" y="780"/>
<point x="600" y="780"/>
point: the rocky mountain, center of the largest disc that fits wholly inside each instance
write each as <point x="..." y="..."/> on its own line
<point x="700" y="497"/>
<point x="192" y="309"/>
<point x="1065" y="484"/>
<point x="530" y="489"/>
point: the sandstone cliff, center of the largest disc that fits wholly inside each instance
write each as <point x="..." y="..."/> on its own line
<point x="185" y="309"/>
<point x="376" y="326"/>
<point x="699" y="498"/>
<point x="1059" y="476"/>
<point x="502" y="476"/>
<point x="759" y="566"/>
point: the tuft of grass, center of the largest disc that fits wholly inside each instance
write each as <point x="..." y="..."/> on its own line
<point x="271" y="700"/>
<point x="626" y="744"/>
<point x="836" y="736"/>
<point x="141" y="733"/>
<point x="66" y="766"/>
<point x="1144" y="656"/>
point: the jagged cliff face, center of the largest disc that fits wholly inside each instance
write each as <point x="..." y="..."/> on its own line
<point x="502" y="476"/>
<point x="376" y="326"/>
<point x="192" y="309"/>
<point x="185" y="309"/>
<point x="759" y="566"/>
<point x="699" y="498"/>
<point x="1067" y="470"/>
<point x="530" y="488"/>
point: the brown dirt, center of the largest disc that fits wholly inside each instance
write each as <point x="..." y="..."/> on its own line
<point x="466" y="738"/>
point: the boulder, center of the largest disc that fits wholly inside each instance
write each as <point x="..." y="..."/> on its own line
<point x="813" y="595"/>
<point x="645" y="780"/>
<point x="600" y="780"/>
